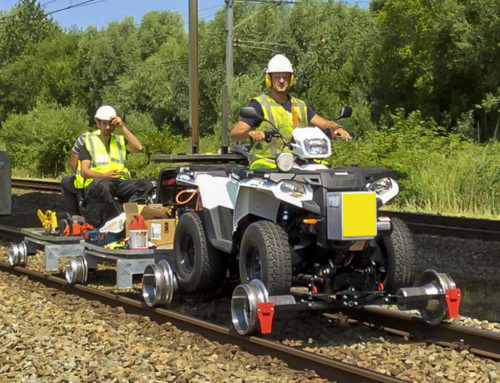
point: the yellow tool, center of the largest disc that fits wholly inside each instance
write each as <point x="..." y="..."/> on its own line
<point x="115" y="245"/>
<point x="49" y="221"/>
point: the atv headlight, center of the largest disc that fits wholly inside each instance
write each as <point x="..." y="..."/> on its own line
<point x="386" y="189"/>
<point x="316" y="146"/>
<point x="292" y="188"/>
<point x="380" y="186"/>
<point x="285" y="161"/>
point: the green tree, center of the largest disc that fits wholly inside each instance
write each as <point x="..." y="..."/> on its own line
<point x="25" y="24"/>
<point x="105" y="55"/>
<point x="437" y="56"/>
<point x="39" y="142"/>
<point x="45" y="72"/>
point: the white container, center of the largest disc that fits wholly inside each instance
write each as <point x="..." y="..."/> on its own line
<point x="138" y="240"/>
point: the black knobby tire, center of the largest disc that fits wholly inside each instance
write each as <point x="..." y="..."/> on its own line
<point x="265" y="254"/>
<point x="400" y="252"/>
<point x="197" y="264"/>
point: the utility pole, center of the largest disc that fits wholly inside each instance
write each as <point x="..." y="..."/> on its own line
<point x="194" y="117"/>
<point x="229" y="40"/>
<point x="229" y="75"/>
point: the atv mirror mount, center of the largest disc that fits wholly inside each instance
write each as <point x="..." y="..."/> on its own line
<point x="250" y="112"/>
<point x="345" y="111"/>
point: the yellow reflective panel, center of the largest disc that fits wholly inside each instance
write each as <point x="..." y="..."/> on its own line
<point x="359" y="214"/>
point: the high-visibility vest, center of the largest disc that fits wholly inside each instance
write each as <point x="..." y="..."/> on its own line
<point x="79" y="180"/>
<point x="101" y="161"/>
<point x="283" y="121"/>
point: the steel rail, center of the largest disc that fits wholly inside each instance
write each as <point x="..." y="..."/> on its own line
<point x="36" y="184"/>
<point x="296" y="359"/>
<point x="461" y="227"/>
<point x="479" y="342"/>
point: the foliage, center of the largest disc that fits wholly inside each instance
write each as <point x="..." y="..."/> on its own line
<point x="25" y="24"/>
<point x="422" y="77"/>
<point x="40" y="141"/>
<point x="440" y="57"/>
<point x="45" y="72"/>
<point x="439" y="172"/>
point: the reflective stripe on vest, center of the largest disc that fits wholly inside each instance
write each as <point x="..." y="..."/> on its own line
<point x="263" y="163"/>
<point x="79" y="182"/>
<point x="102" y="161"/>
<point x="282" y="119"/>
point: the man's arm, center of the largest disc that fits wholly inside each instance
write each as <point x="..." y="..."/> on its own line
<point x="243" y="131"/>
<point x="75" y="151"/>
<point x="133" y="144"/>
<point x="322" y="123"/>
<point x="73" y="160"/>
<point x="87" y="173"/>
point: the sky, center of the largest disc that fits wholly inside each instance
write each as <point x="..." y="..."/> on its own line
<point x="101" y="12"/>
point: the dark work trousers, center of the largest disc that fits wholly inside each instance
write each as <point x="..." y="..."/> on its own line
<point x="109" y="194"/>
<point x="70" y="195"/>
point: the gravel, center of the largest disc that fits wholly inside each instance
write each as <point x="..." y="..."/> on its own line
<point x="48" y="336"/>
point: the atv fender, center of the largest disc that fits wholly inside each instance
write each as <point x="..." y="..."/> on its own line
<point x="218" y="227"/>
<point x="258" y="203"/>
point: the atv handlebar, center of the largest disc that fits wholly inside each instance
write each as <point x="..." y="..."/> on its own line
<point x="271" y="133"/>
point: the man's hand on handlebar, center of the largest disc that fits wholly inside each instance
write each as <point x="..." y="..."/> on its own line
<point x="257" y="135"/>
<point x="342" y="133"/>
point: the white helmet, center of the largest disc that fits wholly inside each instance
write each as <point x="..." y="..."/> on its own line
<point x="105" y="113"/>
<point x="279" y="63"/>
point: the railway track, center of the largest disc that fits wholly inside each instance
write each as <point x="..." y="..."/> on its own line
<point x="35" y="184"/>
<point x="419" y="223"/>
<point x="296" y="359"/>
<point x="482" y="343"/>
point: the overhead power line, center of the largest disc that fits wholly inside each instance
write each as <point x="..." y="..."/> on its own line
<point x="82" y="4"/>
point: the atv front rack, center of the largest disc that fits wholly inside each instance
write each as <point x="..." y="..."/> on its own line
<point x="435" y="295"/>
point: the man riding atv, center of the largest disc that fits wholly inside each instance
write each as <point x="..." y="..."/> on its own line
<point x="283" y="111"/>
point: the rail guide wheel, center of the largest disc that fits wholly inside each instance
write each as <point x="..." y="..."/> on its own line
<point x="158" y="284"/>
<point x="443" y="296"/>
<point x="18" y="254"/>
<point x="245" y="303"/>
<point x="77" y="270"/>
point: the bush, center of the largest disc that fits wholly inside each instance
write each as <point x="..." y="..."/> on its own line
<point x="40" y="141"/>
<point x="440" y="173"/>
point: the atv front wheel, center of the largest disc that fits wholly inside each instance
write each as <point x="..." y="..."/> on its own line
<point x="398" y="248"/>
<point x="265" y="254"/>
<point x="197" y="264"/>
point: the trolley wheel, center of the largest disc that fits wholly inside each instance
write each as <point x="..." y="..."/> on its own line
<point x="158" y="284"/>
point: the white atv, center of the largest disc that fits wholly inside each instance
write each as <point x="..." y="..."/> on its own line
<point x="303" y="229"/>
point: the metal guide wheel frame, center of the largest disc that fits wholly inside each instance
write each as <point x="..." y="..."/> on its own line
<point x="158" y="284"/>
<point x="244" y="303"/>
<point x="436" y="309"/>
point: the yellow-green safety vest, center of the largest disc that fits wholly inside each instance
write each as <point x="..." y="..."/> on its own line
<point x="79" y="182"/>
<point x="101" y="161"/>
<point x="263" y="153"/>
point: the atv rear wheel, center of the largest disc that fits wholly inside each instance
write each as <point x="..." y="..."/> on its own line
<point x="265" y="254"/>
<point x="398" y="248"/>
<point x="197" y="264"/>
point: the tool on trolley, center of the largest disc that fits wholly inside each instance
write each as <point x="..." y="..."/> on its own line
<point x="73" y="225"/>
<point x="49" y="221"/>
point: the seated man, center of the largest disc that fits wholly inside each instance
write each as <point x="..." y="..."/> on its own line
<point x="70" y="189"/>
<point x="105" y="177"/>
